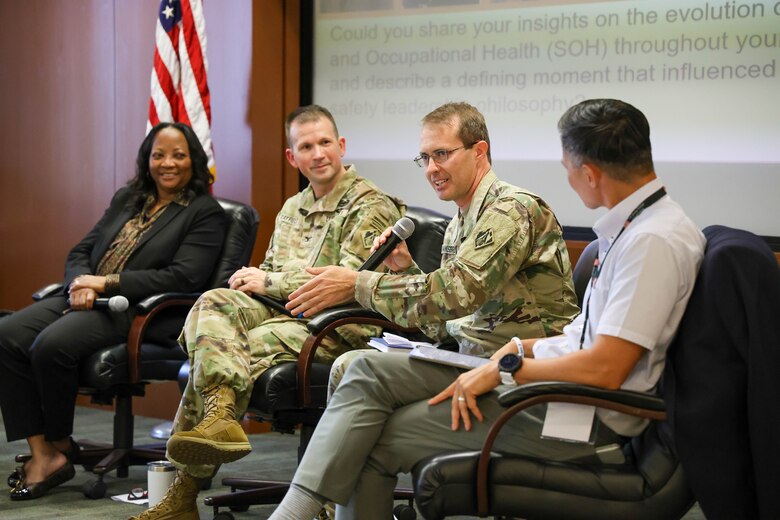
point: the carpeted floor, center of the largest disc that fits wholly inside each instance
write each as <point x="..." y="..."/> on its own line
<point x="273" y="457"/>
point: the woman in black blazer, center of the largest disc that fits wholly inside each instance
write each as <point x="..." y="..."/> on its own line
<point x="162" y="232"/>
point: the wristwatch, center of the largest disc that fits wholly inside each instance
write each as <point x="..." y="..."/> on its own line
<point x="509" y="364"/>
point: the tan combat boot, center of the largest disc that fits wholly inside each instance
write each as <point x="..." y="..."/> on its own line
<point x="218" y="438"/>
<point x="178" y="503"/>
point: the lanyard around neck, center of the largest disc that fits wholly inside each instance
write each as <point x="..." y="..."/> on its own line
<point x="594" y="275"/>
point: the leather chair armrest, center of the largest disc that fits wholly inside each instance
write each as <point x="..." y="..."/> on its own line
<point x="641" y="403"/>
<point x="147" y="309"/>
<point x="45" y="292"/>
<point x="150" y="302"/>
<point x="319" y="327"/>
<point x="517" y="399"/>
<point x="349" y="312"/>
<point x="322" y="325"/>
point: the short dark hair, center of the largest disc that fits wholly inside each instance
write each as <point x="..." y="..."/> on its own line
<point x="472" y="127"/>
<point x="307" y="114"/>
<point x="609" y="133"/>
<point x="143" y="184"/>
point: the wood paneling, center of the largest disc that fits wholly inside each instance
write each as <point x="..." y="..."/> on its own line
<point x="274" y="92"/>
<point x="133" y="55"/>
<point x="56" y="135"/>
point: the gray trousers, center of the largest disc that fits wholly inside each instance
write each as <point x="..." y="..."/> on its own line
<point x="378" y="424"/>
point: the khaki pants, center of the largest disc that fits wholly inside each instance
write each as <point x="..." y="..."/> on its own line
<point x="378" y="424"/>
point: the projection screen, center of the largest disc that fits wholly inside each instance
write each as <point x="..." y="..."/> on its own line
<point x="704" y="73"/>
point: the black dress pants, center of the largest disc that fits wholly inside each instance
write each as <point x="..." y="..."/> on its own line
<point x="40" y="352"/>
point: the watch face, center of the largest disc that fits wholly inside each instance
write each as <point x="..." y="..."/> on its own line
<point x="509" y="363"/>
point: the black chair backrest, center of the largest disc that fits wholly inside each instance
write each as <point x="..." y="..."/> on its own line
<point x="425" y="243"/>
<point x="720" y="379"/>
<point x="240" y="235"/>
<point x="583" y="269"/>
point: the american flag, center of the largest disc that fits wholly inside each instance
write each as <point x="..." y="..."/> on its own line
<point x="180" y="91"/>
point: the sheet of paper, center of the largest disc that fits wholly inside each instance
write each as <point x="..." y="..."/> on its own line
<point x="394" y="339"/>
<point x="124" y="498"/>
<point x="382" y="345"/>
<point x="445" y="357"/>
<point x="569" y="422"/>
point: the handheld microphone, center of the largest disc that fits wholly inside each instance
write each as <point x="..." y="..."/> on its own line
<point x="402" y="230"/>
<point x="113" y="304"/>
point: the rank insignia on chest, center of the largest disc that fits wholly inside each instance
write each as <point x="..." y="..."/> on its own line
<point x="368" y="238"/>
<point x="483" y="239"/>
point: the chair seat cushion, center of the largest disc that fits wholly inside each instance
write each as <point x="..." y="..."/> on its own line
<point x="445" y="484"/>
<point x="276" y="390"/>
<point x="108" y="366"/>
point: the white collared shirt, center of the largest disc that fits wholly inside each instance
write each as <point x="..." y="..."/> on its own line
<point x="641" y="292"/>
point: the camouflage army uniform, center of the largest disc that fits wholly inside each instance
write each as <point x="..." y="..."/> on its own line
<point x="505" y="272"/>
<point x="232" y="338"/>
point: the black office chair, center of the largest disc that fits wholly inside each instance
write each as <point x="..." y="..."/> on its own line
<point x="292" y="395"/>
<point x="651" y="484"/>
<point x="115" y="374"/>
<point x="721" y="386"/>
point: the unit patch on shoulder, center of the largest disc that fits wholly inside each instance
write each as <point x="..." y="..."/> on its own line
<point x="368" y="238"/>
<point x="483" y="239"/>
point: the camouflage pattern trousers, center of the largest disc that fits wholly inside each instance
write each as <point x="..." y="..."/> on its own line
<point x="231" y="339"/>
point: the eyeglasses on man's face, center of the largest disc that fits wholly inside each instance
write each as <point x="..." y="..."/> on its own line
<point x="438" y="156"/>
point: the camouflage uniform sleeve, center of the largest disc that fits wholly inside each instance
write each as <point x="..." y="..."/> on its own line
<point x="491" y="255"/>
<point x="274" y="280"/>
<point x="267" y="264"/>
<point x="412" y="269"/>
<point x="367" y="218"/>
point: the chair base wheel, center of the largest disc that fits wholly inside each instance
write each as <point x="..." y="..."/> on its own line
<point x="404" y="512"/>
<point x="94" y="489"/>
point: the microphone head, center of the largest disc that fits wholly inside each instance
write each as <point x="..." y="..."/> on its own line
<point x="404" y="228"/>
<point x="118" y="303"/>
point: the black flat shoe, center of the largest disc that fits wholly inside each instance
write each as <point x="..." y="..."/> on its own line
<point x="27" y="492"/>
<point x="73" y="454"/>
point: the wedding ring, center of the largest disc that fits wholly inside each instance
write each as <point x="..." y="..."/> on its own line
<point x="462" y="399"/>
